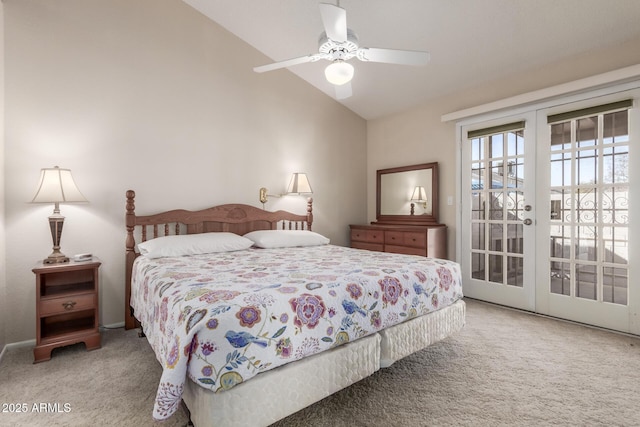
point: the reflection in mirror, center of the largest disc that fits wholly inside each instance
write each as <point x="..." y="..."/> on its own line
<point x="400" y="200"/>
<point x="397" y="192"/>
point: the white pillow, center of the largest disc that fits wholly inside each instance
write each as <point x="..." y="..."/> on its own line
<point x="286" y="238"/>
<point x="193" y="244"/>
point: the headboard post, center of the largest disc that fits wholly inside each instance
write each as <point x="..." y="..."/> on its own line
<point x="309" y="213"/>
<point x="130" y="221"/>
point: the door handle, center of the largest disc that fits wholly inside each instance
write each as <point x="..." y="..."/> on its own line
<point x="528" y="221"/>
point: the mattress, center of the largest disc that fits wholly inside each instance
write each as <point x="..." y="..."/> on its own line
<point x="222" y="319"/>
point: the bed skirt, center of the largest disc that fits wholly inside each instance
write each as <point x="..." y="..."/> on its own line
<point x="285" y="390"/>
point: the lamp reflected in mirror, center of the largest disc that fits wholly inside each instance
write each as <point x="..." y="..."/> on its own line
<point x="419" y="196"/>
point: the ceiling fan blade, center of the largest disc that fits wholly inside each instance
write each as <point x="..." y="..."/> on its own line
<point x="343" y="91"/>
<point x="334" y="19"/>
<point x="287" y="63"/>
<point x="393" y="56"/>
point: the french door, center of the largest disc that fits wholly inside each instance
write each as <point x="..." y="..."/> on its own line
<point x="498" y="212"/>
<point x="546" y="207"/>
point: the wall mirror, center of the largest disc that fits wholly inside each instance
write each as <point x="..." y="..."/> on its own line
<point x="407" y="195"/>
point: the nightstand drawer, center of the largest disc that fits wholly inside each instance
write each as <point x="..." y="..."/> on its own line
<point x="66" y="304"/>
<point x="369" y="236"/>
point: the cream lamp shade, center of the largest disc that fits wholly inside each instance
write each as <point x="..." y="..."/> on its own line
<point x="57" y="186"/>
<point x="299" y="184"/>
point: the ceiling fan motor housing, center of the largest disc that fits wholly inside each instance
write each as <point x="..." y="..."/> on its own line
<point x="339" y="50"/>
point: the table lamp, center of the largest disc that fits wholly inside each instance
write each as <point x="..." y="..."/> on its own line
<point x="57" y="186"/>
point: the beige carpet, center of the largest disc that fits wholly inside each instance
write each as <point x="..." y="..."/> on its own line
<point x="505" y="368"/>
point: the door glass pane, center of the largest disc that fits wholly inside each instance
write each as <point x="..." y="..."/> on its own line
<point x="560" y="169"/>
<point x="478" y="235"/>
<point x="496" y="143"/>
<point x="560" y="278"/>
<point x="495" y="237"/>
<point x="586" y="243"/>
<point x="515" y="271"/>
<point x="615" y="283"/>
<point x="514" y="239"/>
<point x="561" y="136"/>
<point x="477" y="205"/>
<point x="477" y="266"/>
<point x="560" y="241"/>
<point x="495" y="268"/>
<point x="586" y="281"/>
<point x="495" y="206"/>
<point x="586" y="206"/>
<point x="587" y="167"/>
<point x="497" y="174"/>
<point x="515" y="206"/>
<point x="587" y="131"/>
<point x="616" y="245"/>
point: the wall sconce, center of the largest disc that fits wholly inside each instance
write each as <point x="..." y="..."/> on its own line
<point x="57" y="186"/>
<point x="419" y="196"/>
<point x="299" y="184"/>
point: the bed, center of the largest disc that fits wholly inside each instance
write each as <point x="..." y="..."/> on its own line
<point x="254" y="316"/>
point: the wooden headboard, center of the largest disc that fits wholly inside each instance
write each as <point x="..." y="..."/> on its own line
<point x="234" y="218"/>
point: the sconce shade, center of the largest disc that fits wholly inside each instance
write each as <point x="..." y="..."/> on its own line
<point x="419" y="194"/>
<point x="339" y="72"/>
<point x="57" y="186"/>
<point x="299" y="184"/>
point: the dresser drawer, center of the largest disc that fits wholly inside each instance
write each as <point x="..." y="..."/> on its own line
<point x="407" y="250"/>
<point x="406" y="238"/>
<point x="66" y="304"/>
<point x="368" y="236"/>
<point x="368" y="246"/>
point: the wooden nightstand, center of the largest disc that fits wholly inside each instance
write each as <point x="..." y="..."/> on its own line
<point x="66" y="306"/>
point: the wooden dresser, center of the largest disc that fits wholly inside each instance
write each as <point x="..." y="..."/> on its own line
<point x="424" y="240"/>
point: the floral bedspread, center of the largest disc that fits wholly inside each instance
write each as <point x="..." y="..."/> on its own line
<point x="223" y="318"/>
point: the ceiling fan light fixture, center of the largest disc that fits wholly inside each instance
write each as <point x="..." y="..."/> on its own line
<point x="339" y="72"/>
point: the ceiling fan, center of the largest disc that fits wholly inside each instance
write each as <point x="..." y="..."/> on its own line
<point x="338" y="44"/>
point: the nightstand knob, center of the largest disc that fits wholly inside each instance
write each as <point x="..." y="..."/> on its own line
<point x="68" y="305"/>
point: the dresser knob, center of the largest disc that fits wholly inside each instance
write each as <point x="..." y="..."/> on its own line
<point x="68" y="305"/>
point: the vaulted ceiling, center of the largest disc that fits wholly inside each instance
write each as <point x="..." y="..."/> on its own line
<point x="472" y="42"/>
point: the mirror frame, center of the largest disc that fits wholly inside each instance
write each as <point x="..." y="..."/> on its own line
<point x="409" y="219"/>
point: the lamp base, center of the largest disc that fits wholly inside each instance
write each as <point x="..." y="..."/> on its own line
<point x="56" y="221"/>
<point x="56" y="257"/>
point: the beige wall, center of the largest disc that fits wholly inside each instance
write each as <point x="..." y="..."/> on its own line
<point x="418" y="135"/>
<point x="152" y="96"/>
<point x="3" y="269"/>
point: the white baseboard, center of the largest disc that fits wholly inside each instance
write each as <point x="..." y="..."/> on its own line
<point x="32" y="342"/>
<point x="27" y="343"/>
<point x="113" y="326"/>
